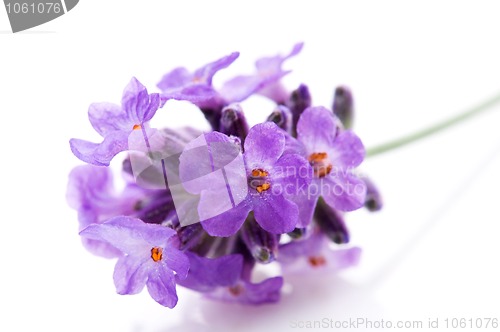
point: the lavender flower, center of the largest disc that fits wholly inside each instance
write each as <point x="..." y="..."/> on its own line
<point x="202" y="210"/>
<point x="115" y="123"/>
<point x="196" y="87"/>
<point x="264" y="82"/>
<point x="315" y="253"/>
<point x="91" y="193"/>
<point x="333" y="154"/>
<point x="266" y="173"/>
<point x="151" y="257"/>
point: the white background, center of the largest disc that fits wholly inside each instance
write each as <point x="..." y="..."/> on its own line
<point x="431" y="253"/>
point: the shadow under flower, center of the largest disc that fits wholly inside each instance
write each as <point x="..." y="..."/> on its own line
<point x="312" y="299"/>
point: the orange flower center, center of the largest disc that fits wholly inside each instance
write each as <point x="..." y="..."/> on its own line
<point x="156" y="254"/>
<point x="258" y="180"/>
<point x="236" y="290"/>
<point x="317" y="261"/>
<point x="136" y="127"/>
<point x="320" y="163"/>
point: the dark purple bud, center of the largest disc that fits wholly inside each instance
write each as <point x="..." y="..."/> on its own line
<point x="190" y="236"/>
<point x="213" y="117"/>
<point x="373" y="200"/>
<point x="300" y="99"/>
<point x="262" y="245"/>
<point x="298" y="233"/>
<point x="233" y="122"/>
<point x="155" y="210"/>
<point x="331" y="222"/>
<point x="343" y="106"/>
<point x="282" y="116"/>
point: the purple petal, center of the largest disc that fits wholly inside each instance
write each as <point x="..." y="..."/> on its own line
<point x="100" y="248"/>
<point x="275" y="213"/>
<point x="343" y="258"/>
<point x="176" y="260"/>
<point x="227" y="223"/>
<point x="267" y="291"/>
<point x="100" y="154"/>
<point x="343" y="191"/>
<point x="264" y="145"/>
<point x="161" y="287"/>
<point x="316" y="129"/>
<point x="178" y="77"/>
<point x="269" y="71"/>
<point x="201" y="95"/>
<point x="348" y="150"/>
<point x="206" y="73"/>
<point x="131" y="273"/>
<point x="212" y="165"/>
<point x="206" y="274"/>
<point x="313" y="245"/>
<point x="88" y="186"/>
<point x="130" y="235"/>
<point x="135" y="101"/>
<point x="315" y="253"/>
<point x="107" y="118"/>
<point x="241" y="87"/>
<point x="273" y="64"/>
<point x="306" y="203"/>
<point x="292" y="173"/>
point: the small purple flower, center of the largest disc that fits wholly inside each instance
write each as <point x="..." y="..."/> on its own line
<point x="151" y="257"/>
<point x="246" y="292"/>
<point x="264" y="82"/>
<point x="315" y="253"/>
<point x="223" y="279"/>
<point x="268" y="175"/>
<point x="115" y="123"/>
<point x="90" y="191"/>
<point x="207" y="274"/>
<point x="333" y="154"/>
<point x="196" y="87"/>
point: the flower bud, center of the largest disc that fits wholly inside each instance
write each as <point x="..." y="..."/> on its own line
<point x="190" y="236"/>
<point x="331" y="222"/>
<point x="300" y="99"/>
<point x="262" y="245"/>
<point x="282" y="116"/>
<point x="298" y="233"/>
<point x="233" y="122"/>
<point x="373" y="200"/>
<point x="343" y="106"/>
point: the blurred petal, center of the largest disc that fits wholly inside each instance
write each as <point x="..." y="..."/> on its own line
<point x="130" y="274"/>
<point x="343" y="191"/>
<point x="206" y="274"/>
<point x="348" y="150"/>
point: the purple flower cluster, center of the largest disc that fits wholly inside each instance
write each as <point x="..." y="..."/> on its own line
<point x="206" y="210"/>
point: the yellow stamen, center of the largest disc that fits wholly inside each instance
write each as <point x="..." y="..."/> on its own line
<point x="136" y="127"/>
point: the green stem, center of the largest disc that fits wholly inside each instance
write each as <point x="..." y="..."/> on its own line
<point x="433" y="129"/>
